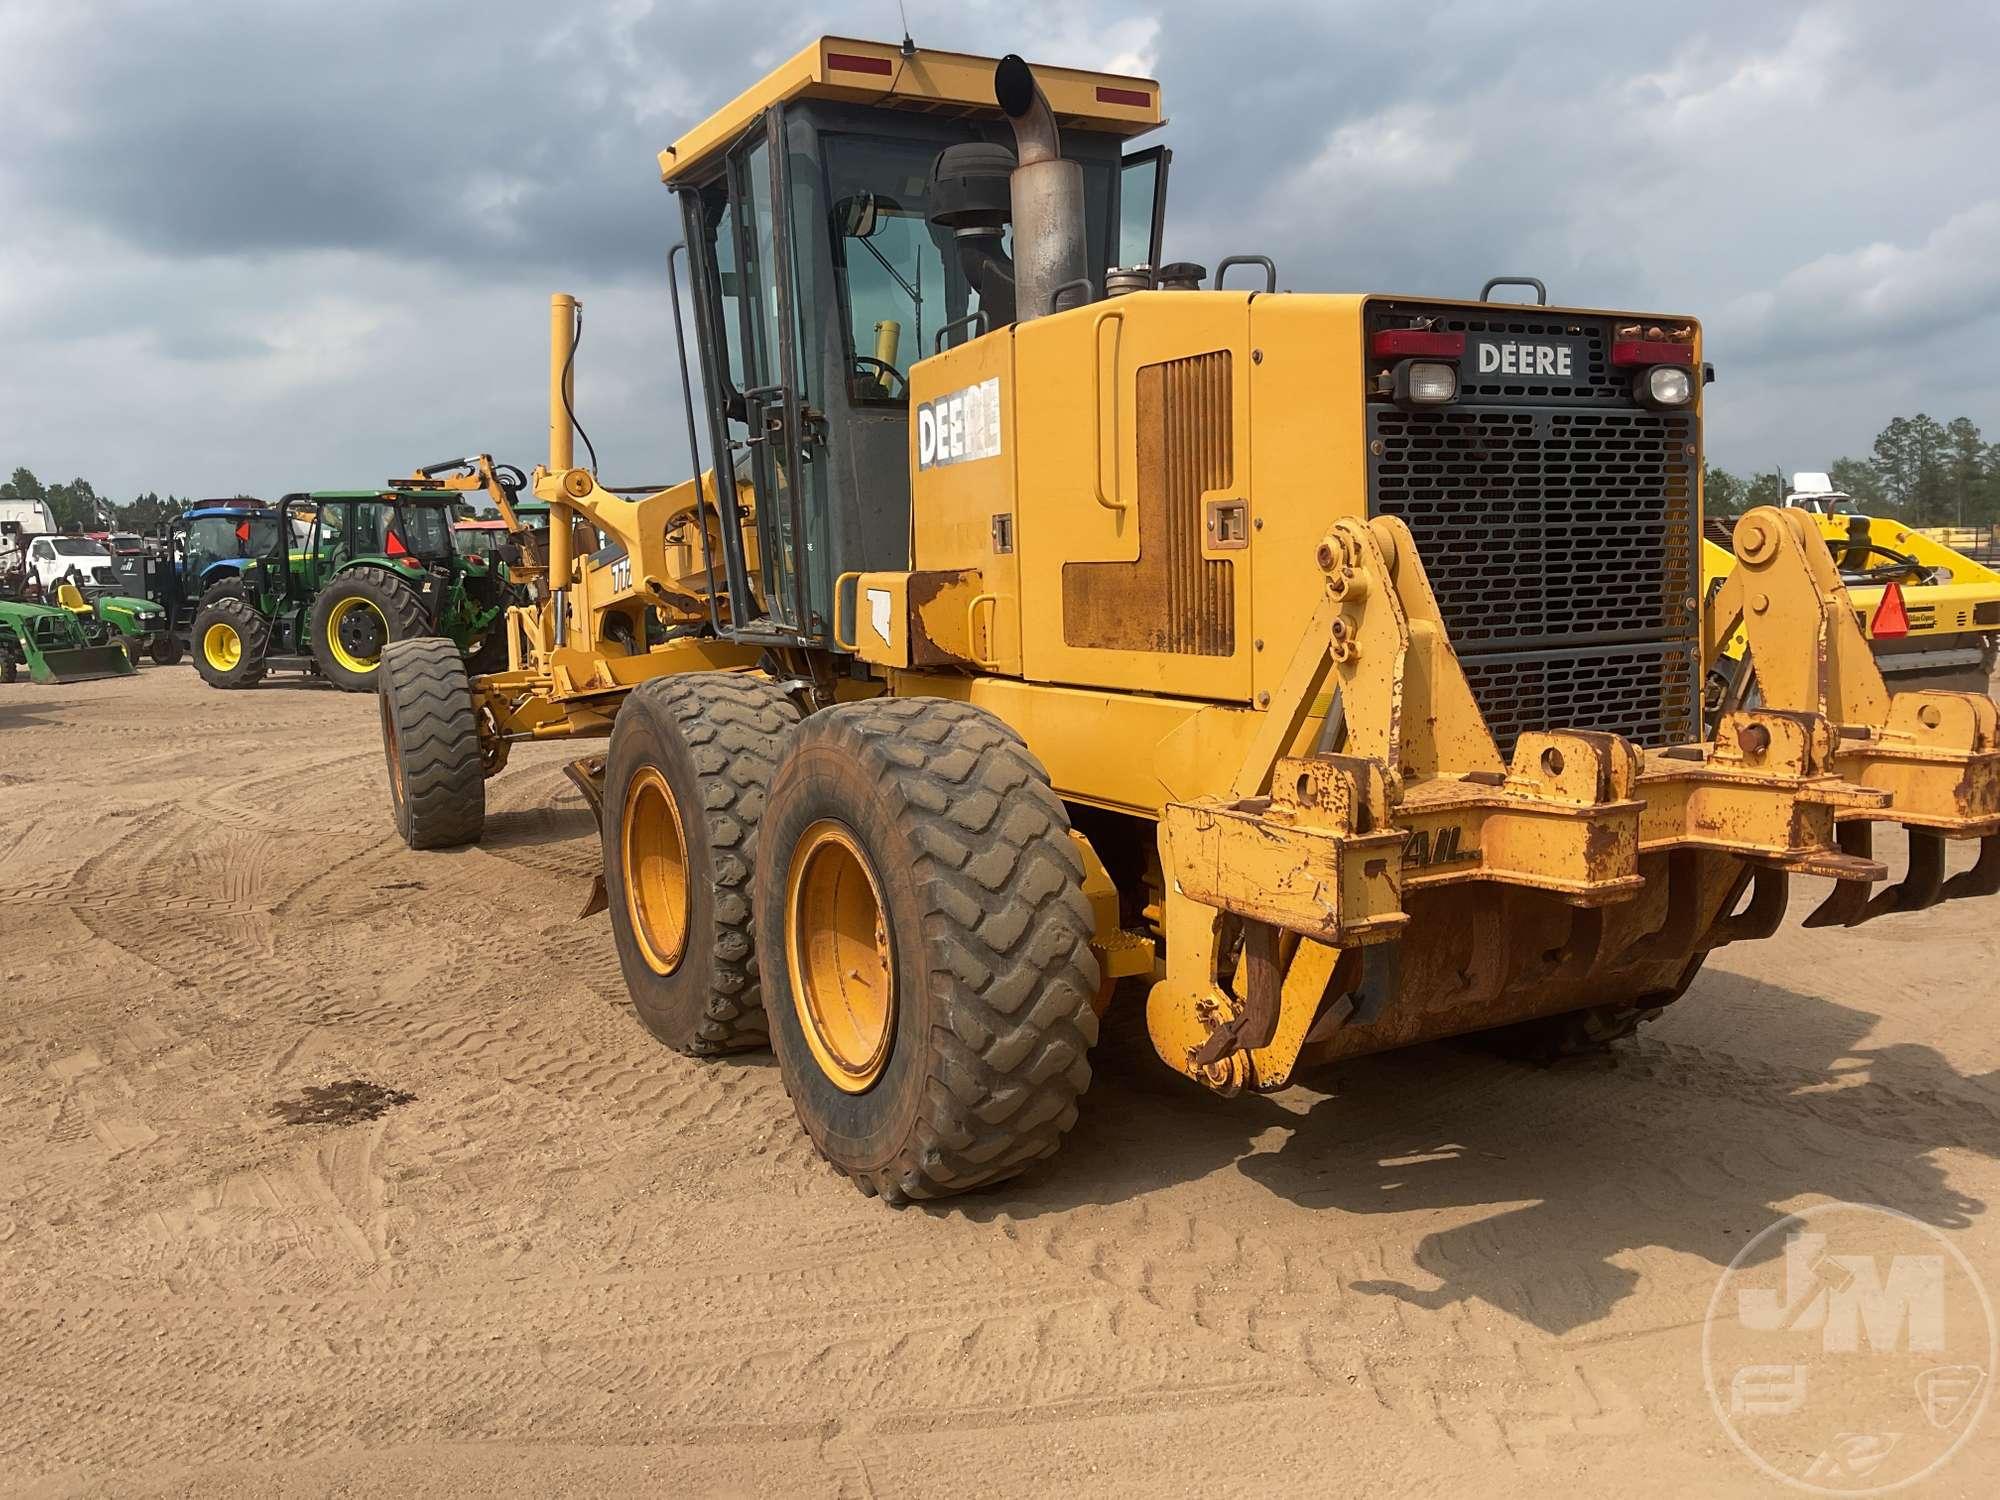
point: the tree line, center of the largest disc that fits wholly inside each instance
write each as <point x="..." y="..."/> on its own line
<point x="77" y="506"/>
<point x="1927" y="472"/>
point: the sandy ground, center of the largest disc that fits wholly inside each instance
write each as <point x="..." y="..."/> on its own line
<point x="570" y="1262"/>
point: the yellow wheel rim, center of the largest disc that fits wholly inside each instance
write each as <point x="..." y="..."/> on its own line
<point x="837" y="948"/>
<point x="222" y="646"/>
<point x="656" y="881"/>
<point x="354" y="661"/>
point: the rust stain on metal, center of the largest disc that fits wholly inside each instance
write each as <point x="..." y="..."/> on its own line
<point x="938" y="628"/>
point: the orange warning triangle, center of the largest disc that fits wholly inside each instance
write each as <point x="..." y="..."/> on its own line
<point x="1891" y="619"/>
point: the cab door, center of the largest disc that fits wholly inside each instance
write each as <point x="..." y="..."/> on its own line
<point x="756" y="389"/>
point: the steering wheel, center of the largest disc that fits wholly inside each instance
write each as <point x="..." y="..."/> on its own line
<point x="902" y="387"/>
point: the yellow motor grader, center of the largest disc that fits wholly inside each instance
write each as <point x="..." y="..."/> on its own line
<point x="1330" y="664"/>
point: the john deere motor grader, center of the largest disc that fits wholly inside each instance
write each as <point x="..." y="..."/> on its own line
<point x="1332" y="662"/>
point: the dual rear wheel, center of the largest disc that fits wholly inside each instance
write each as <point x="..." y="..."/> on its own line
<point x="886" y="891"/>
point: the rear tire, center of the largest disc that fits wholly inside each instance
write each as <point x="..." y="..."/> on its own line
<point x="927" y="941"/>
<point x="230" y="639"/>
<point x="684" y="787"/>
<point x="356" y="617"/>
<point x="166" y="650"/>
<point x="430" y="738"/>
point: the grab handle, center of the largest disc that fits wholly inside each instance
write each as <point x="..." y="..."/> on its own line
<point x="1109" y="502"/>
<point x="972" y="627"/>
<point x="1270" y="269"/>
<point x="838" y="639"/>
<point x="1541" y="292"/>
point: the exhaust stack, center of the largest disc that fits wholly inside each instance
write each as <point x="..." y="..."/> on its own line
<point x="1047" y="194"/>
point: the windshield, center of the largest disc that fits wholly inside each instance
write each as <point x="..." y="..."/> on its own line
<point x="233" y="536"/>
<point x="476" y="541"/>
<point x="77" y="546"/>
<point x="425" y="529"/>
<point x="382" y="528"/>
<point x="899" y="285"/>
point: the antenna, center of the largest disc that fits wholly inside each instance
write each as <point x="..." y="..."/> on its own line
<point x="909" y="48"/>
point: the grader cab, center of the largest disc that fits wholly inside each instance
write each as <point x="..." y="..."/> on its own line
<point x="1330" y="666"/>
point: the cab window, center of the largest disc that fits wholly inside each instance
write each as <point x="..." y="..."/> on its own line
<point x="900" y="280"/>
<point x="424" y="529"/>
<point x="1142" y="195"/>
<point x="896" y="284"/>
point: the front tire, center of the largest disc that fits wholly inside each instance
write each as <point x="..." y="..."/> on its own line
<point x="166" y="650"/>
<point x="356" y="617"/>
<point x="684" y="787"/>
<point x="927" y="942"/>
<point x="230" y="639"/>
<point x="430" y="738"/>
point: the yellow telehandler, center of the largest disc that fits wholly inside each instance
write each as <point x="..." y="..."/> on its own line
<point x="1331" y="665"/>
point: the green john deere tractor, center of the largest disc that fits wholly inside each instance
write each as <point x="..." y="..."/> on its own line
<point x="373" y="566"/>
<point x="138" y="626"/>
<point x="51" y="642"/>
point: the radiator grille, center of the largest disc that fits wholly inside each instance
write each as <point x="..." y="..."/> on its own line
<point x="1647" y="693"/>
<point x="1540" y="526"/>
<point x="1560" y="529"/>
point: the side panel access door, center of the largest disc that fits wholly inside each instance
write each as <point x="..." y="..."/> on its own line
<point x="1132" y="423"/>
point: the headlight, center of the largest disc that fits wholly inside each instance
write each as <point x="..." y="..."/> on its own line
<point x="1424" y="382"/>
<point x="1667" y="385"/>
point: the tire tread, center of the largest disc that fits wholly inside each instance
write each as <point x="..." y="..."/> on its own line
<point x="733" y="726"/>
<point x="1006" y="938"/>
<point x="423" y="684"/>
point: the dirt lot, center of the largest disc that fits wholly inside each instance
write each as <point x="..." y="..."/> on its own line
<point x="559" y="1259"/>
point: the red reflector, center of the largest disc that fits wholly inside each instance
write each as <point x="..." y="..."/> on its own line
<point x="1137" y="98"/>
<point x="1651" y="352"/>
<point x="854" y="62"/>
<point x="1891" y="619"/>
<point x="1395" y="343"/>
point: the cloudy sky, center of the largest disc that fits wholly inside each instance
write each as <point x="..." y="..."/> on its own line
<point x="263" y="245"/>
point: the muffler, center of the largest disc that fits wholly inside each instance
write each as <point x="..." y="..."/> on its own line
<point x="1050" y="263"/>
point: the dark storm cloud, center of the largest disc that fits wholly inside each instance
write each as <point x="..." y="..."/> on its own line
<point x="338" y="223"/>
<point x="470" y="133"/>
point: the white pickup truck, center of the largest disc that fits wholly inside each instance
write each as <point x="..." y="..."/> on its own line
<point x="87" y="564"/>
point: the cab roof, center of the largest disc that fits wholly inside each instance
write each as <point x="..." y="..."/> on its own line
<point x="217" y="509"/>
<point x="954" y="85"/>
<point x="417" y="497"/>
